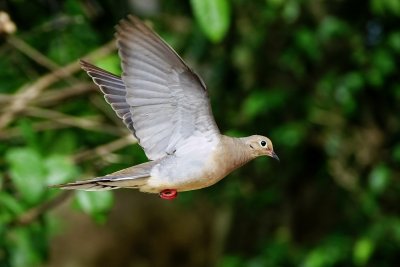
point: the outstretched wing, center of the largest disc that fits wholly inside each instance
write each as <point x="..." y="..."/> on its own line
<point x="168" y="101"/>
<point x="113" y="89"/>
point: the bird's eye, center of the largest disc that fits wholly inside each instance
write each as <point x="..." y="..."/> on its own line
<point x="263" y="143"/>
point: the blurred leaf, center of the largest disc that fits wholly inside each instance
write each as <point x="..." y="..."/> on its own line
<point x="329" y="253"/>
<point x="59" y="169"/>
<point x="396" y="153"/>
<point x="369" y="204"/>
<point x="344" y="95"/>
<point x="363" y="250"/>
<point x="290" y="134"/>
<point x="291" y="11"/>
<point x="263" y="101"/>
<point x="32" y="173"/>
<point x="256" y="262"/>
<point x="213" y="16"/>
<point x="7" y="70"/>
<point x="73" y="7"/>
<point x="346" y="90"/>
<point x="291" y="60"/>
<point x="394" y="41"/>
<point x="72" y="42"/>
<point x="354" y="81"/>
<point x="386" y="6"/>
<point x="396" y="228"/>
<point x="276" y="250"/>
<point x="377" y="6"/>
<point x="255" y="104"/>
<point x="331" y="27"/>
<point x="11" y="207"/>
<point x="27" y="173"/>
<point x="96" y="204"/>
<point x="379" y="179"/>
<point x="231" y="261"/>
<point x="110" y="63"/>
<point x="315" y="259"/>
<point x="64" y="143"/>
<point x="306" y="40"/>
<point x="383" y="61"/>
<point x="27" y="132"/>
<point x="374" y="77"/>
<point x="276" y="3"/>
<point x="22" y="254"/>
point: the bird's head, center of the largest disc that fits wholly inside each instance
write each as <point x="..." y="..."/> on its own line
<point x="260" y="146"/>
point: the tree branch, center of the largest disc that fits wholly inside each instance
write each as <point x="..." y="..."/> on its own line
<point x="29" y="92"/>
<point x="35" y="212"/>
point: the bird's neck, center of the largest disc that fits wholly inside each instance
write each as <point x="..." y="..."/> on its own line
<point x="236" y="151"/>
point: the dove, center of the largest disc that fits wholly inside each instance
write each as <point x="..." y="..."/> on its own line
<point x="165" y="105"/>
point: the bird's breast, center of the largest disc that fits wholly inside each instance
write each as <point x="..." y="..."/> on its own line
<point x="186" y="171"/>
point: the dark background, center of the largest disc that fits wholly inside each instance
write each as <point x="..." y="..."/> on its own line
<point x="320" y="78"/>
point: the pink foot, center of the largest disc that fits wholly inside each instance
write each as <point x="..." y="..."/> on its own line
<point x="168" y="194"/>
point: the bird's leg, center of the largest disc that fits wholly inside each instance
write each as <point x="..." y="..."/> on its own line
<point x="168" y="194"/>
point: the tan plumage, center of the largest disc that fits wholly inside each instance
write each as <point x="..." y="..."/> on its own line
<point x="166" y="106"/>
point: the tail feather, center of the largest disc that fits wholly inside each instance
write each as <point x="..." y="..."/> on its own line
<point x="89" y="185"/>
<point x="108" y="182"/>
<point x="133" y="177"/>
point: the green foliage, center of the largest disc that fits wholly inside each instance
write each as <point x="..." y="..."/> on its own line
<point x="30" y="174"/>
<point x="27" y="173"/>
<point x="20" y="244"/>
<point x="329" y="253"/>
<point x="385" y="7"/>
<point x="94" y="203"/>
<point x="363" y="249"/>
<point x="110" y="63"/>
<point x="261" y="102"/>
<point x="379" y="179"/>
<point x="213" y="16"/>
<point x="318" y="78"/>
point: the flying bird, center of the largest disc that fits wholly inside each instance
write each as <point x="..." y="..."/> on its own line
<point x="165" y="105"/>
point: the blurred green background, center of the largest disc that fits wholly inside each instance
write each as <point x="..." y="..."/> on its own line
<point x="320" y="78"/>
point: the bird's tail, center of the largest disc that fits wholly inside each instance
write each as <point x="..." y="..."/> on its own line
<point x="133" y="177"/>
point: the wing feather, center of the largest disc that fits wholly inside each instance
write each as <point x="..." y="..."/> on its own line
<point x="114" y="91"/>
<point x="160" y="99"/>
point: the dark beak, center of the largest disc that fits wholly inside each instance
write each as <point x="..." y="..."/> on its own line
<point x="275" y="156"/>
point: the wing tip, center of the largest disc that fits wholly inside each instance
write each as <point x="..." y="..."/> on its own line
<point x="131" y="23"/>
<point x="86" y="66"/>
<point x="90" y="68"/>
